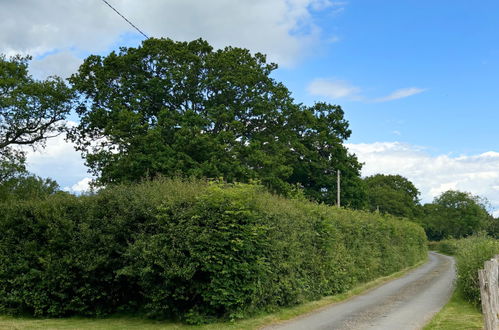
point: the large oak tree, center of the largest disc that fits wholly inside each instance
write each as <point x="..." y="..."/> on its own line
<point x="183" y="108"/>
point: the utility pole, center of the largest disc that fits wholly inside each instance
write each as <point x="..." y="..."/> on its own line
<point x="338" y="188"/>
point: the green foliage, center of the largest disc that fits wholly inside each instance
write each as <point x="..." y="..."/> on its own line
<point x="184" y="109"/>
<point x="447" y="246"/>
<point x="30" y="110"/>
<point x="26" y="186"/>
<point x="472" y="253"/>
<point x="392" y="194"/>
<point x="190" y="250"/>
<point x="455" y="214"/>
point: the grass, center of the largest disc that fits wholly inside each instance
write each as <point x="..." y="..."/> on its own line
<point x="124" y="322"/>
<point x="458" y="314"/>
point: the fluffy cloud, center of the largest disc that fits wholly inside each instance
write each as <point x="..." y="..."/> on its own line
<point x="284" y="29"/>
<point x="58" y="161"/>
<point x="400" y="94"/>
<point x="81" y="186"/>
<point x="478" y="174"/>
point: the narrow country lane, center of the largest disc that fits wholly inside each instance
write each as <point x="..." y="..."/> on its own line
<point x="405" y="303"/>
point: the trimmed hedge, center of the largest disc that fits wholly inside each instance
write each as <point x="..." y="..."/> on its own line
<point x="190" y="250"/>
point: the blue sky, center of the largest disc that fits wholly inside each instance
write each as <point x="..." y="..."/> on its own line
<point x="448" y="48"/>
<point x="417" y="79"/>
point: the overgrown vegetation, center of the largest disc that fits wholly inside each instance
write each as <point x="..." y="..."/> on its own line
<point x="470" y="253"/>
<point x="189" y="250"/>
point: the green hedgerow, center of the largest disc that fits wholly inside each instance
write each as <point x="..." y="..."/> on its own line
<point x="191" y="250"/>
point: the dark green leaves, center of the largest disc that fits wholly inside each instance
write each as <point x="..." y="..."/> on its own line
<point x="190" y="250"/>
<point x="392" y="194"/>
<point x="182" y="108"/>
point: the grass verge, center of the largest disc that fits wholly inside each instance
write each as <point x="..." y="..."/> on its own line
<point x="119" y="322"/>
<point x="458" y="314"/>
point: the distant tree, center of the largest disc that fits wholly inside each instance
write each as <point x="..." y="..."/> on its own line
<point x="392" y="194"/>
<point x="182" y="108"/>
<point x="455" y="214"/>
<point x="493" y="227"/>
<point x="26" y="187"/>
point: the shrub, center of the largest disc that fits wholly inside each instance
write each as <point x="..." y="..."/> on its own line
<point x="448" y="246"/>
<point x="190" y="250"/>
<point x="472" y="253"/>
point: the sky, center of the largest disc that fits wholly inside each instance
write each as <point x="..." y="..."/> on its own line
<point x="417" y="79"/>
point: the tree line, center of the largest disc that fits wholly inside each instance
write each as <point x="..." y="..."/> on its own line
<point x="184" y="109"/>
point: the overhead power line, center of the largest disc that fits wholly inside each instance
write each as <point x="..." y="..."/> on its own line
<point x="117" y="12"/>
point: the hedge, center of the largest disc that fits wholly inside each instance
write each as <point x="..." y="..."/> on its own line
<point x="190" y="250"/>
<point x="471" y="254"/>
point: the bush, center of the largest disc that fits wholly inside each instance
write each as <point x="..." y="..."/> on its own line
<point x="190" y="250"/>
<point x="448" y="246"/>
<point x="471" y="255"/>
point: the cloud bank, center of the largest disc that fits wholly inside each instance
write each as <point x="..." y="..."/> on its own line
<point x="283" y="29"/>
<point x="432" y="175"/>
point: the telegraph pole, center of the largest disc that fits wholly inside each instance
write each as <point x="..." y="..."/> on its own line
<point x="338" y="188"/>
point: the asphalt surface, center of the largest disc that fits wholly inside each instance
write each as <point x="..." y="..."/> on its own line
<point x="408" y="302"/>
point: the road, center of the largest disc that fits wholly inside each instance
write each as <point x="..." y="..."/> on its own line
<point x="405" y="303"/>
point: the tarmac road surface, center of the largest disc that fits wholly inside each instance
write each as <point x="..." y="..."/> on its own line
<point x="408" y="302"/>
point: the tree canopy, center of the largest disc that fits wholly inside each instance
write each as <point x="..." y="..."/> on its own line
<point x="455" y="214"/>
<point x="392" y="194"/>
<point x="183" y="108"/>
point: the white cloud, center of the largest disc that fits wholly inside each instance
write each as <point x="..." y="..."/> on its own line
<point x="284" y="29"/>
<point x="400" y="94"/>
<point x="59" y="161"/>
<point x="432" y="175"/>
<point x="334" y="89"/>
<point x="80" y="187"/>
